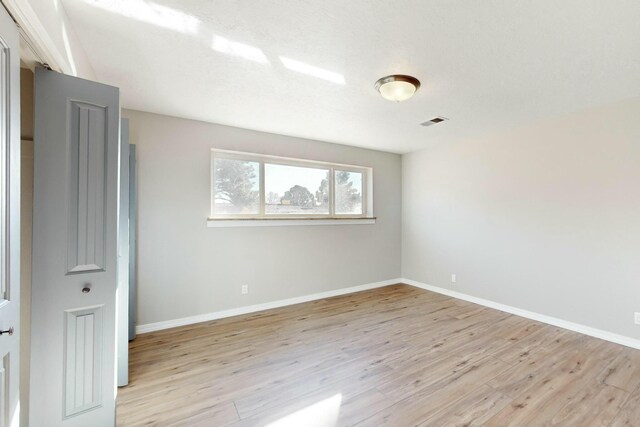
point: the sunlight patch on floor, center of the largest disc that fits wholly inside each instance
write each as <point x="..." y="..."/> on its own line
<point x="322" y="414"/>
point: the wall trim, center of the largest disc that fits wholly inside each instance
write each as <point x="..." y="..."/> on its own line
<point x="36" y="36"/>
<point x="157" y="326"/>
<point x="565" y="324"/>
<point x="271" y="222"/>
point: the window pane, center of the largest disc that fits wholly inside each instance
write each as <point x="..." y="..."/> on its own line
<point x="293" y="190"/>
<point x="237" y="187"/>
<point x="348" y="193"/>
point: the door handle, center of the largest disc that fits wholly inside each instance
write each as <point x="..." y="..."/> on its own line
<point x="8" y="331"/>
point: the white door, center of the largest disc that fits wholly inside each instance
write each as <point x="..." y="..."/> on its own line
<point x="9" y="221"/>
<point x="74" y="282"/>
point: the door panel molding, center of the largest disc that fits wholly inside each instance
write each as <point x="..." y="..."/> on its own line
<point x="84" y="344"/>
<point x="87" y="187"/>
<point x="5" y="381"/>
<point x="5" y="148"/>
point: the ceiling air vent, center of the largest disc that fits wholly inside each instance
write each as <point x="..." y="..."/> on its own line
<point x="434" y="121"/>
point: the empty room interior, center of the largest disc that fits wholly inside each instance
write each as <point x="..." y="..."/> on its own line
<point x="298" y="213"/>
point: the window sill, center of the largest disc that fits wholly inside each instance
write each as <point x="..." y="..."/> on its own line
<point x="271" y="222"/>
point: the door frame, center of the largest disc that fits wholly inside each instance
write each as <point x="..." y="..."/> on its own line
<point x="35" y="39"/>
<point x="10" y="233"/>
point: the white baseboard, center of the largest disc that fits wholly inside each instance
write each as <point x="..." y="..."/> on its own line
<point x="151" y="327"/>
<point x="576" y="327"/>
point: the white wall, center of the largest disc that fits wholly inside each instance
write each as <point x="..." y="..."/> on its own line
<point x="544" y="218"/>
<point x="187" y="269"/>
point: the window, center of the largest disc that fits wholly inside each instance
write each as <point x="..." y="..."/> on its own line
<point x="249" y="186"/>
<point x="348" y="192"/>
<point x="237" y="187"/>
<point x="296" y="190"/>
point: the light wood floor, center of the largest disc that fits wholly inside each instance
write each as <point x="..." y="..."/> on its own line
<point x="395" y="356"/>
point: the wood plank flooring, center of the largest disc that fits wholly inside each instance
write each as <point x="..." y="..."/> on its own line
<point x="395" y="356"/>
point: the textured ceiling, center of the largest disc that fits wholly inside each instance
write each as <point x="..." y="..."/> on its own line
<point x="307" y="68"/>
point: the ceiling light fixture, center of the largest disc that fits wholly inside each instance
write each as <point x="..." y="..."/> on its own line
<point x="397" y="87"/>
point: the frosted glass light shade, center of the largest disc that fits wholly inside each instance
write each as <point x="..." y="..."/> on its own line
<point x="397" y="87"/>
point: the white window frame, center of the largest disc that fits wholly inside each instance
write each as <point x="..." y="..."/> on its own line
<point x="261" y="159"/>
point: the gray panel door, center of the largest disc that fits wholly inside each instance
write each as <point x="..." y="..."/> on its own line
<point x="9" y="220"/>
<point x="123" y="257"/>
<point x="132" y="241"/>
<point x="75" y="234"/>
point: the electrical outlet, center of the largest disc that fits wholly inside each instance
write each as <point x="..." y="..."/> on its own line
<point x="637" y="318"/>
<point x="245" y="289"/>
<point x="453" y="278"/>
